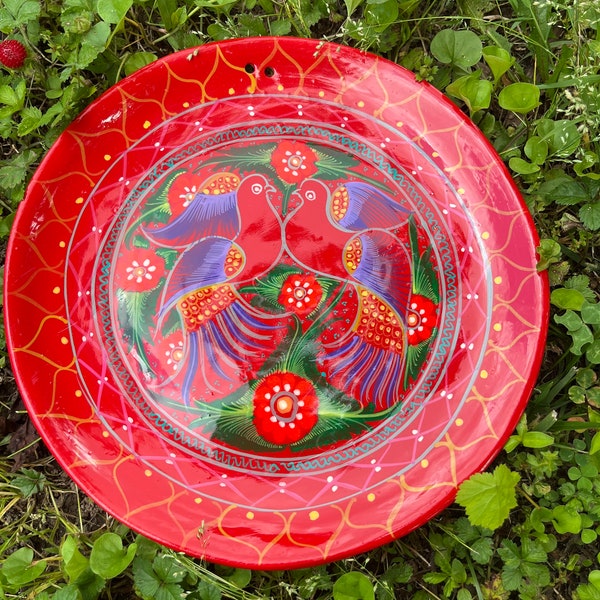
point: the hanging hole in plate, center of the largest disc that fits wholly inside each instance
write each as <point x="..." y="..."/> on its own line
<point x="269" y="71"/>
<point x="249" y="68"/>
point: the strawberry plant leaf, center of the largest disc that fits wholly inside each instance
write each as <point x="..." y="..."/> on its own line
<point x="489" y="497"/>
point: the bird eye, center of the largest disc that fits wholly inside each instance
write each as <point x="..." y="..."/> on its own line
<point x="257" y="188"/>
<point x="310" y="195"/>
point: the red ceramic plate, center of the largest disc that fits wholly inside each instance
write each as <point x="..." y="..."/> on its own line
<point x="270" y="301"/>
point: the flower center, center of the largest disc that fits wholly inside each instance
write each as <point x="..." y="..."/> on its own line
<point x="412" y="319"/>
<point x="295" y="161"/>
<point x="177" y="354"/>
<point x="284" y="406"/>
<point x="139" y="271"/>
<point x="299" y="293"/>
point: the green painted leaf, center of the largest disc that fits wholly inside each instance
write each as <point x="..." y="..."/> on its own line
<point x="567" y="299"/>
<point x="108" y="557"/>
<point x="459" y="48"/>
<point x="519" y="97"/>
<point x="353" y="586"/>
<point x="489" y="497"/>
<point x="19" y="568"/>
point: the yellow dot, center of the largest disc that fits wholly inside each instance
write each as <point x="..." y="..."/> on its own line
<point x="321" y="94"/>
<point x="231" y="91"/>
<point x="371" y="497"/>
<point x="146" y="125"/>
<point x="56" y="290"/>
<point x="435" y="154"/>
<point x="280" y="88"/>
<point x="198" y="500"/>
<point x="360" y="104"/>
<point x="485" y="235"/>
<point x="148" y="473"/>
<point x="399" y="124"/>
<point x="186" y="105"/>
<point x="459" y="422"/>
<point x="79" y="200"/>
<point x="313" y="515"/>
<point x="424" y="463"/>
<point x="497" y="327"/>
<point x="461" y="190"/>
<point x="250" y="515"/>
<point x="62" y="244"/>
<point x="107" y="157"/>
<point x="498" y="280"/>
<point x="64" y="340"/>
<point x="78" y="393"/>
<point x="483" y="374"/>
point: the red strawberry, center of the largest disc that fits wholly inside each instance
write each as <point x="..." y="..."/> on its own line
<point x="12" y="54"/>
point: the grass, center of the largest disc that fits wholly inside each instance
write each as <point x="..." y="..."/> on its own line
<point x="55" y="543"/>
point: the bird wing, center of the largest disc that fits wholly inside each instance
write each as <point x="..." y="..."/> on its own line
<point x="200" y="265"/>
<point x="363" y="206"/>
<point x="384" y="268"/>
<point x="205" y="216"/>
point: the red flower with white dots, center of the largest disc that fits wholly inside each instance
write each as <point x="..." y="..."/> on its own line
<point x="294" y="161"/>
<point x="140" y="270"/>
<point x="285" y="408"/>
<point x="300" y="293"/>
<point x="421" y="319"/>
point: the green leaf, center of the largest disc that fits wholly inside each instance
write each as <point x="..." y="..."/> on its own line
<point x="137" y="61"/>
<point x="93" y="43"/>
<point x="240" y="578"/>
<point x="353" y="586"/>
<point x="519" y="97"/>
<point x="68" y="592"/>
<point x="108" y="557"/>
<point x="567" y="299"/>
<point x="537" y="439"/>
<point x="19" y="568"/>
<point x="562" y="136"/>
<point x="522" y="167"/>
<point x="462" y="49"/>
<point x="15" y="14"/>
<point x="280" y="27"/>
<point x="29" y="482"/>
<point x="352" y="5"/>
<point x="74" y="563"/>
<point x="207" y="591"/>
<point x="590" y="313"/>
<point x="158" y="580"/>
<point x="590" y="215"/>
<point x="475" y="92"/>
<point x="113" y="11"/>
<point x="489" y="497"/>
<point x="566" y="519"/>
<point x="550" y="253"/>
<point x="498" y="60"/>
<point x="536" y="149"/>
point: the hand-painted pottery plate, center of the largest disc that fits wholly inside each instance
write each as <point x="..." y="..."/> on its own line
<point x="270" y="301"/>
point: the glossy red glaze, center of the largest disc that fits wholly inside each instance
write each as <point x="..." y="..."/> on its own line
<point x="270" y="301"/>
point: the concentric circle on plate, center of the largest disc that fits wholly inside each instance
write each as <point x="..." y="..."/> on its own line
<point x="294" y="310"/>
